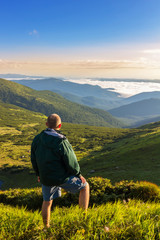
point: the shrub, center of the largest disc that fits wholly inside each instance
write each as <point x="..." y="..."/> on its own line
<point x="145" y="191"/>
<point x="122" y="189"/>
<point x="142" y="190"/>
<point x="101" y="191"/>
<point x="31" y="198"/>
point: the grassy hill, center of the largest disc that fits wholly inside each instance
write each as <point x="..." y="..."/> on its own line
<point x="48" y="102"/>
<point x="18" y="128"/>
<point x="114" y="153"/>
<point x="135" y="156"/>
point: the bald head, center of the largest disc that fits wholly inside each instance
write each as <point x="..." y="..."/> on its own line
<point x="54" y="121"/>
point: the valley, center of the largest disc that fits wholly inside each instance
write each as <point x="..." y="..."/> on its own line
<point x="133" y="111"/>
<point x="120" y="164"/>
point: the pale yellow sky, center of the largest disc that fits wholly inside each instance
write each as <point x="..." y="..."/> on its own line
<point x="118" y="62"/>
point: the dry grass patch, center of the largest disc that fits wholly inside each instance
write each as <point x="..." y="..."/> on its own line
<point x="9" y="130"/>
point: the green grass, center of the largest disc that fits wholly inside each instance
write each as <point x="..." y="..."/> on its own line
<point x="114" y="153"/>
<point x="134" y="156"/>
<point x="18" y="127"/>
<point x="121" y="220"/>
<point x="106" y="218"/>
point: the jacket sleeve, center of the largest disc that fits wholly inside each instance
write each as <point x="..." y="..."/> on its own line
<point x="70" y="159"/>
<point x="33" y="159"/>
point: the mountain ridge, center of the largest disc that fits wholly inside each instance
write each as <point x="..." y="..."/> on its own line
<point x="142" y="96"/>
<point x="77" y="92"/>
<point x="146" y="107"/>
<point x="48" y="102"/>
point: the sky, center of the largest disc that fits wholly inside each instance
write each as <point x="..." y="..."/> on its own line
<point x="81" y="38"/>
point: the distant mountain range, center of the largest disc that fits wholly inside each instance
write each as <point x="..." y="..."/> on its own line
<point x="92" y="96"/>
<point x="148" y="107"/>
<point x="47" y="102"/>
<point x="140" y="112"/>
<point x="134" y="111"/>
<point x="142" y="96"/>
<point x="13" y="75"/>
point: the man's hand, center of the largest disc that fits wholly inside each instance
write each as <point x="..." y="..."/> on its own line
<point x="82" y="179"/>
<point x="38" y="179"/>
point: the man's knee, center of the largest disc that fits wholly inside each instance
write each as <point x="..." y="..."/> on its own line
<point x="47" y="203"/>
<point x="86" y="187"/>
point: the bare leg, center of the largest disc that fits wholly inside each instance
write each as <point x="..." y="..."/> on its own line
<point x="84" y="197"/>
<point x="46" y="212"/>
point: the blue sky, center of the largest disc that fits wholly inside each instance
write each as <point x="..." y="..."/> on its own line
<point x="81" y="34"/>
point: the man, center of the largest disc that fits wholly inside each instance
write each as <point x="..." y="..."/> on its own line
<point x="56" y="166"/>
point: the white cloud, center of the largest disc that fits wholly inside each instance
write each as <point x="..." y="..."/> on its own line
<point x="34" y="32"/>
<point x="125" y="88"/>
<point x="152" y="51"/>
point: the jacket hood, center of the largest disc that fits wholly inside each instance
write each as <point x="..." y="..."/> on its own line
<point x="51" y="137"/>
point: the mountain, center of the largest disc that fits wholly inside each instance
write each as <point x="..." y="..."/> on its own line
<point x="20" y="76"/>
<point x="90" y="101"/>
<point x="141" y="112"/>
<point x="142" y="96"/>
<point x="47" y="102"/>
<point x="80" y="93"/>
<point x="83" y="90"/>
<point x="144" y="108"/>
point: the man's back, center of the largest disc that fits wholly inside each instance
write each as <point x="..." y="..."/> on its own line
<point x="54" y="157"/>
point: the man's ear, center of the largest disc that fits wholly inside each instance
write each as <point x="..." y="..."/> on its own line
<point x="59" y="126"/>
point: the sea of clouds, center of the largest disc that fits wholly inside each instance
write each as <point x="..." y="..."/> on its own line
<point x="125" y="87"/>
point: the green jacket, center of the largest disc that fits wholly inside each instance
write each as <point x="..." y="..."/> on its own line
<point x="53" y="158"/>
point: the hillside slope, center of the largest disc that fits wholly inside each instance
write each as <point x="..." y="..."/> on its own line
<point x="114" y="153"/>
<point x="18" y="127"/>
<point x="133" y="156"/>
<point x="48" y="102"/>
